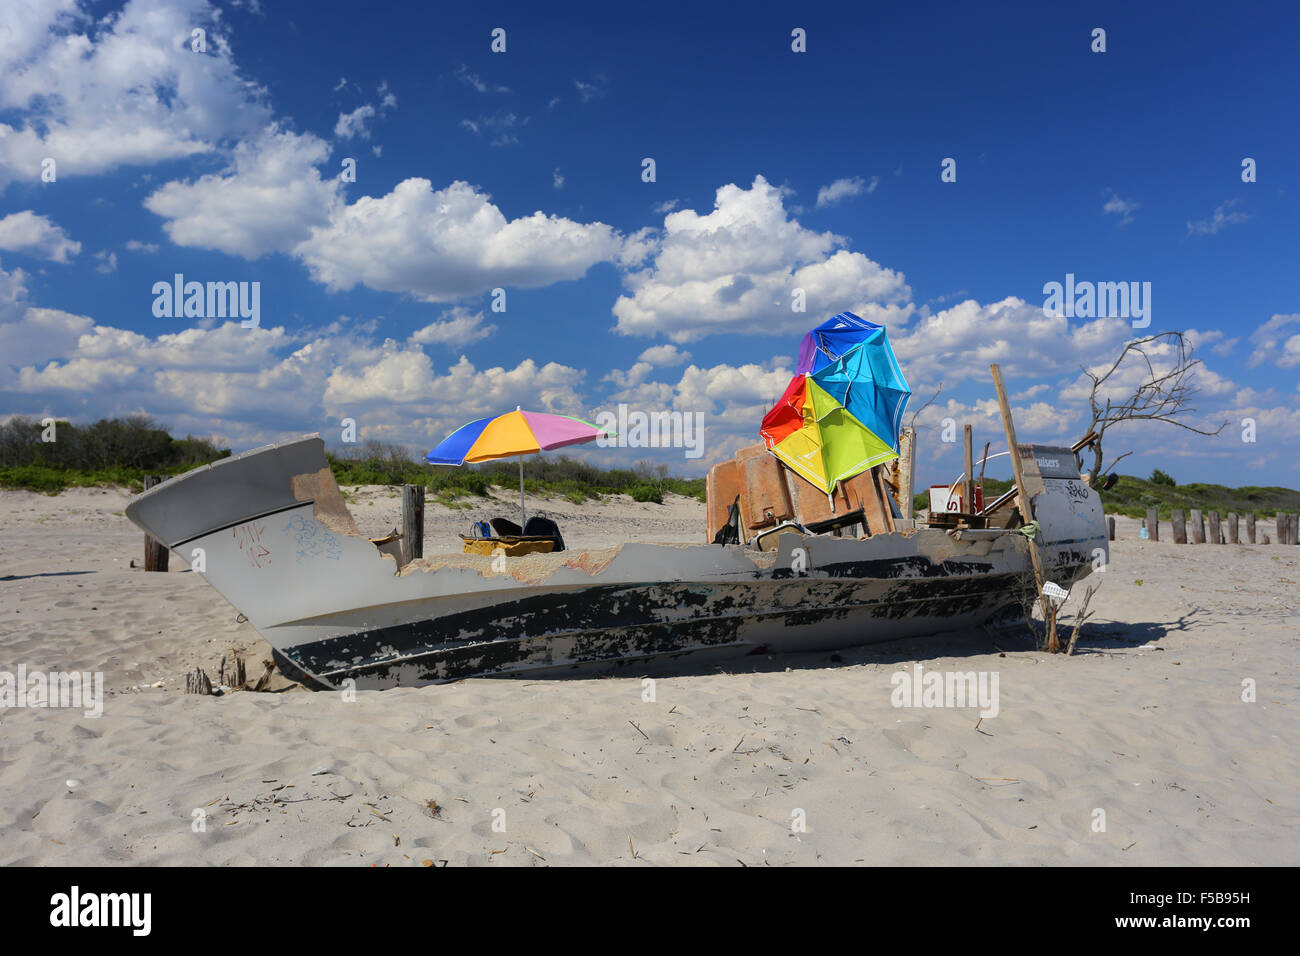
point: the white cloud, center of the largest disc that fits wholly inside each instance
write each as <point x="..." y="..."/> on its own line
<point x="1115" y="206"/>
<point x="476" y="82"/>
<point x="667" y="355"/>
<point x="353" y="124"/>
<point x="1275" y="346"/>
<point x="37" y="236"/>
<point x="267" y="200"/>
<point x="557" y="179"/>
<point x="500" y="126"/>
<point x="107" y="262"/>
<point x="843" y="189"/>
<point x="135" y="245"/>
<point x="458" y="326"/>
<point x="1224" y="215"/>
<point x="126" y="90"/>
<point x="734" y="270"/>
<point x="449" y="243"/>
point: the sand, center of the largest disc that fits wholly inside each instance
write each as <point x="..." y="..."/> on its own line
<point x="787" y="760"/>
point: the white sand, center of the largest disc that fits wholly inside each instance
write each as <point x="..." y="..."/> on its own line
<point x="1146" y="723"/>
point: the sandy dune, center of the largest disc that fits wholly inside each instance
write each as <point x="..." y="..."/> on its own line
<point x="1146" y="723"/>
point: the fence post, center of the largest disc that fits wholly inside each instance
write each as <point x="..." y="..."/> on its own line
<point x="1250" y="528"/>
<point x="1198" y="527"/>
<point x="156" y="554"/>
<point x="1232" y="528"/>
<point x="1178" y="524"/>
<point x="413" y="521"/>
<point x="1215" y="536"/>
<point x="1153" y="524"/>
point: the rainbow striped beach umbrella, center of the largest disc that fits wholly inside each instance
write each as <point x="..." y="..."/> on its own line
<point x="516" y="433"/>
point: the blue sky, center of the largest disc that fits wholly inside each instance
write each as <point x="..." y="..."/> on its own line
<point x="522" y="170"/>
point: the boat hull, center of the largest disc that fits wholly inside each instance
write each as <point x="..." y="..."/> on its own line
<point x="339" y="613"/>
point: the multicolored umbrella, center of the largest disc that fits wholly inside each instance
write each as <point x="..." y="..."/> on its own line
<point x="514" y="433"/>
<point x="852" y="359"/>
<point x="818" y="438"/>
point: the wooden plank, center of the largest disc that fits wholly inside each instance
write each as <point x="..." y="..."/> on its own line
<point x="1025" y="504"/>
<point x="906" y="470"/>
<point x="1198" y="526"/>
<point x="764" y="498"/>
<point x="1250" y="528"/>
<point x="1232" y="528"/>
<point x="1214" y="528"/>
<point x="1178" y="525"/>
<point x="1153" y="524"/>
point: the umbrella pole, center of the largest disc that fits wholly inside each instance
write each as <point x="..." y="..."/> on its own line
<point x="523" y="519"/>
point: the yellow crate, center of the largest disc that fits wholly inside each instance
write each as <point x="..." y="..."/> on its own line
<point x="513" y="547"/>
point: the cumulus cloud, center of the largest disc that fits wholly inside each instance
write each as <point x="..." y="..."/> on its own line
<point x="736" y="269"/>
<point x="449" y="243"/>
<point x="667" y="355"/>
<point x="36" y="236"/>
<point x="267" y="200"/>
<point x="843" y="189"/>
<point x="96" y="93"/>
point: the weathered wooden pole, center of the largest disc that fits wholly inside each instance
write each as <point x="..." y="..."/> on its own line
<point x="1280" y="526"/>
<point x="413" y="521"/>
<point x="1215" y="537"/>
<point x="1178" y="524"/>
<point x="1232" y="528"/>
<point x="1026" y="506"/>
<point x="1110" y="527"/>
<point x="1250" y="528"/>
<point x="1198" y="526"/>
<point x="155" y="552"/>
<point x="968" y="486"/>
<point x="906" y="465"/>
<point x="1295" y="528"/>
<point x="1153" y="524"/>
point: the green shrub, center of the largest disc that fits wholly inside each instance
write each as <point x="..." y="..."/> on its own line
<point x="646" y="493"/>
<point x="1158" y="477"/>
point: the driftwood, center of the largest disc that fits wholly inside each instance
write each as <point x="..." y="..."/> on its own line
<point x="1079" y="619"/>
<point x="196" y="682"/>
<point x="233" y="675"/>
<point x="268" y="668"/>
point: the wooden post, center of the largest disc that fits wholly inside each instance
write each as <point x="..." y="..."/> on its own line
<point x="1215" y="537"/>
<point x="1153" y="524"/>
<point x="413" y="521"/>
<point x="1232" y="528"/>
<point x="1198" y="526"/>
<point x="906" y="468"/>
<point x="196" y="682"/>
<point x="968" y="488"/>
<point x="1295" y="528"/>
<point x="1110" y="527"/>
<point x="1178" y="525"/>
<point x="1280" y="522"/>
<point x="155" y="552"/>
<point x="1026" y="506"/>
<point x="1250" y="528"/>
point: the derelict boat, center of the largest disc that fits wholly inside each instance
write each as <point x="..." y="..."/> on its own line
<point x="278" y="542"/>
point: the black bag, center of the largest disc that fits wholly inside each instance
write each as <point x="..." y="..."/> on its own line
<point x="729" y="533"/>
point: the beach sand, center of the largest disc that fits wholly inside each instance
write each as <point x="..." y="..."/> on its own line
<point x="1146" y="723"/>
